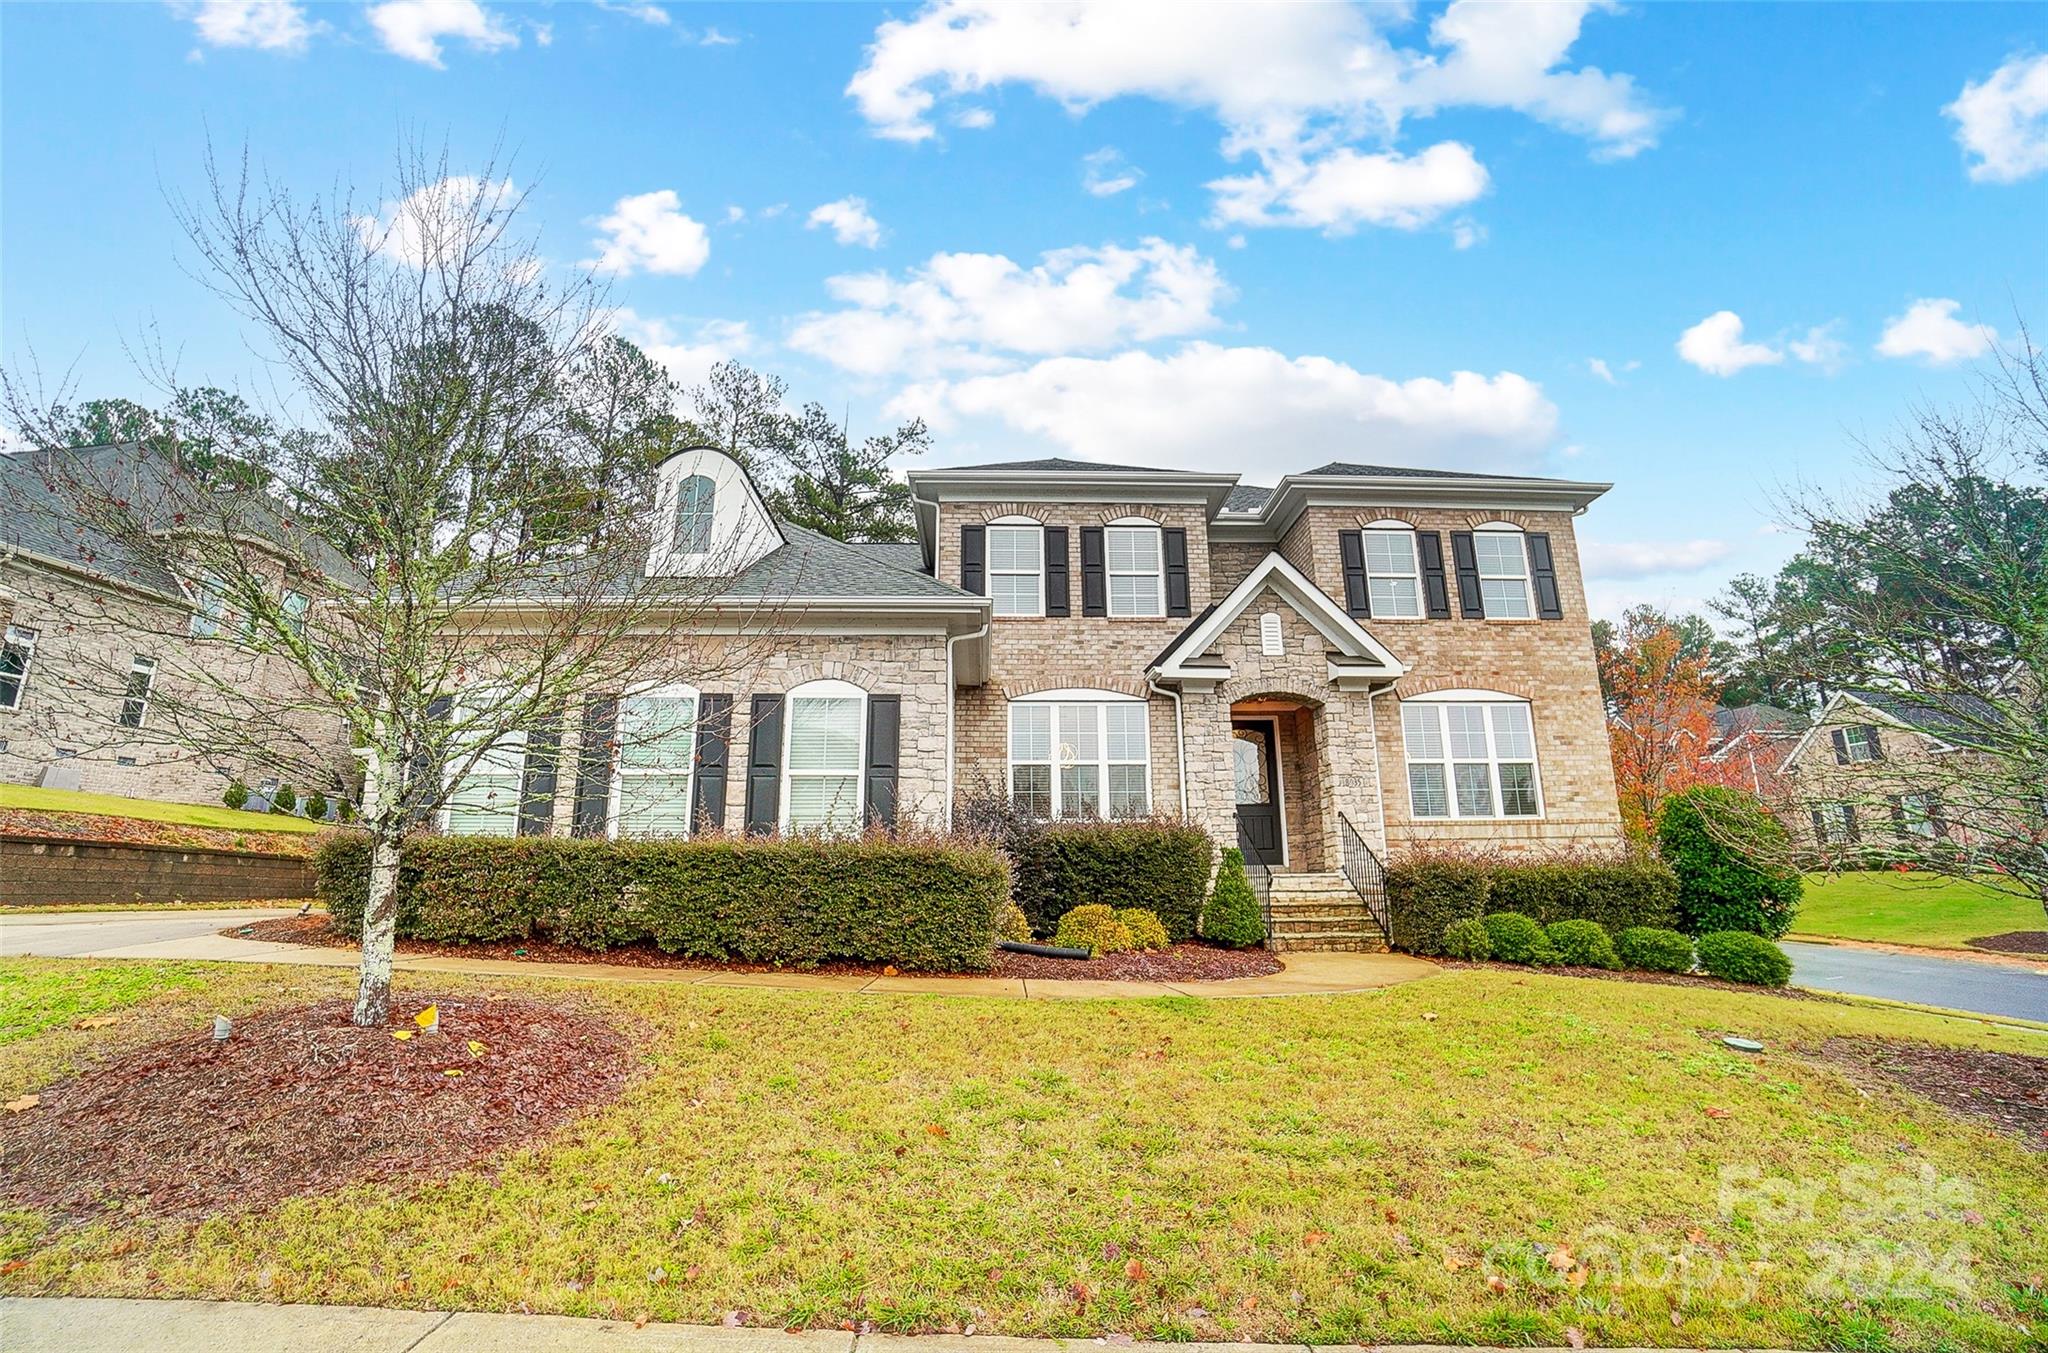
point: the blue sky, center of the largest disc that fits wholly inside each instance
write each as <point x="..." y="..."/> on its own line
<point x="1252" y="239"/>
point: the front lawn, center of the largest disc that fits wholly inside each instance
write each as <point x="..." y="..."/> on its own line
<point x="1482" y="1156"/>
<point x="1926" y="909"/>
<point x="151" y="810"/>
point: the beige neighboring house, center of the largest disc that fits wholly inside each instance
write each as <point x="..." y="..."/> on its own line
<point x="1874" y="771"/>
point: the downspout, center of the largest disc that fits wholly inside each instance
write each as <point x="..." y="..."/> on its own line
<point x="952" y="700"/>
<point x="1180" y="737"/>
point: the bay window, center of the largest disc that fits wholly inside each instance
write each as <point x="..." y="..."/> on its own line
<point x="1080" y="759"/>
<point x="1136" y="584"/>
<point x="1470" y="758"/>
<point x="657" y="735"/>
<point x="1016" y="569"/>
<point x="826" y="725"/>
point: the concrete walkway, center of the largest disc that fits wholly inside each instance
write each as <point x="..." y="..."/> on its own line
<point x="195" y="935"/>
<point x="109" y="1325"/>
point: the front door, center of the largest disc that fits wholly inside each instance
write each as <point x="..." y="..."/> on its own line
<point x="1256" y="766"/>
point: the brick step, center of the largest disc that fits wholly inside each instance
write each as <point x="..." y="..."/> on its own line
<point x="1341" y="944"/>
<point x="1344" y="901"/>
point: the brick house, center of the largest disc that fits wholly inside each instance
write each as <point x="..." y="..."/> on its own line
<point x="1874" y="771"/>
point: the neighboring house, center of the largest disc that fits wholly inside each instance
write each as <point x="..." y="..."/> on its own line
<point x="1749" y="743"/>
<point x="1874" y="768"/>
<point x="92" y="637"/>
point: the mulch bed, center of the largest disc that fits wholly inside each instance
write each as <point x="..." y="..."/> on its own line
<point x="1664" y="979"/>
<point x="301" y="1101"/>
<point x="1181" y="963"/>
<point x="256" y="839"/>
<point x="2008" y="1090"/>
<point x="2014" y="942"/>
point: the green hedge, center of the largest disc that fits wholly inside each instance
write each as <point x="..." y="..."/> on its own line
<point x="1427" y="891"/>
<point x="920" y="904"/>
<point x="1743" y="956"/>
<point x="1158" y="864"/>
<point x="1733" y="860"/>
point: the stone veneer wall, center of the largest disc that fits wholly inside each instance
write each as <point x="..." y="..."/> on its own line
<point x="36" y="872"/>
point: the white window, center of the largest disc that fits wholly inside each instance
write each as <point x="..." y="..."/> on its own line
<point x="1080" y="759"/>
<point x="1859" y="742"/>
<point x="485" y="802"/>
<point x="825" y="729"/>
<point x="1470" y="759"/>
<point x="1916" y="815"/>
<point x="696" y="504"/>
<point x="1393" y="582"/>
<point x="657" y="737"/>
<point x="1016" y="569"/>
<point x="209" y="604"/>
<point x="1136" y="586"/>
<point x="295" y="606"/>
<point x="18" y="651"/>
<point x="1503" y="574"/>
<point x="135" y="702"/>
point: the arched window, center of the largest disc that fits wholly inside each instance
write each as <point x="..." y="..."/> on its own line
<point x="822" y="757"/>
<point x="696" y="498"/>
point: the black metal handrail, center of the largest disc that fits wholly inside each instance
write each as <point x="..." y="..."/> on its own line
<point x="1366" y="873"/>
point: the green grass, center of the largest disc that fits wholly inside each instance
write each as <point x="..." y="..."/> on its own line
<point x="150" y="810"/>
<point x="33" y="1002"/>
<point x="1324" y="1169"/>
<point x="1925" y="909"/>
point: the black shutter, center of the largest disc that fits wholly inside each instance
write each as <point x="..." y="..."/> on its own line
<point x="1176" y="547"/>
<point x="1057" y="588"/>
<point x="594" y="766"/>
<point x="714" y="755"/>
<point x="1351" y="550"/>
<point x="764" y="766"/>
<point x="1841" y="739"/>
<point x="429" y="764"/>
<point x="1850" y="825"/>
<point x="1543" y="572"/>
<point x="1470" y="604"/>
<point x="537" y="778"/>
<point x="974" y="560"/>
<point x="1436" y="592"/>
<point x="1820" y="828"/>
<point x="885" y="723"/>
<point x="1094" y="575"/>
<point x="1934" y="817"/>
<point x="1876" y="747"/>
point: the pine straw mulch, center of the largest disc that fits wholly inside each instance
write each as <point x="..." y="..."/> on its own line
<point x="255" y="839"/>
<point x="2014" y="942"/>
<point x="301" y="1101"/>
<point x="1181" y="963"/>
<point x="2008" y="1090"/>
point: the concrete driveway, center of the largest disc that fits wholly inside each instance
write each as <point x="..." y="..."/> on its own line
<point x="2010" y="990"/>
<point x="140" y="934"/>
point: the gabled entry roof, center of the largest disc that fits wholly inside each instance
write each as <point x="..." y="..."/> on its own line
<point x="1356" y="655"/>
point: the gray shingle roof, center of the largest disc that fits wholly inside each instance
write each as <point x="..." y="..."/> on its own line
<point x="35" y="516"/>
<point x="1957" y="719"/>
<point x="1345" y="467"/>
<point x="814" y="567"/>
<point x="1059" y="465"/>
<point x="1247" y="498"/>
<point x="906" y="554"/>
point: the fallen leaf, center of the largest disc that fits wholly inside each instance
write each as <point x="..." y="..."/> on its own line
<point x="1429" y="1015"/>
<point x="731" y="1320"/>
<point x="25" y="1103"/>
<point x="94" y="1022"/>
<point x="1250" y="1302"/>
<point x="1561" y="1258"/>
<point x="13" y="1266"/>
<point x="1315" y="1238"/>
<point x="1454" y="1262"/>
<point x="1574" y="1337"/>
<point x="1696" y="1236"/>
<point x="937" y="1129"/>
<point x="1082" y="1292"/>
<point x="428" y="1018"/>
<point x="475" y="1046"/>
<point x="451" y="1071"/>
<point x="1720" y="1113"/>
<point x="640" y="1320"/>
<point x="1391" y="1217"/>
<point x="1135" y="1270"/>
<point x="1497" y="1283"/>
<point x="401" y="1034"/>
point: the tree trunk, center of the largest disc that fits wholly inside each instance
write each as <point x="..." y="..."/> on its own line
<point x="380" y="934"/>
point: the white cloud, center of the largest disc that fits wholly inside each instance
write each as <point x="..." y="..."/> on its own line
<point x="1346" y="188"/>
<point x="1715" y="346"/>
<point x="1640" y="559"/>
<point x="982" y="311"/>
<point x="1598" y="366"/>
<point x="689" y="356"/>
<point x="648" y="232"/>
<point x="1466" y="233"/>
<point x="1222" y="408"/>
<point x="645" y="11"/>
<point x="1290" y="84"/>
<point x="849" y="221"/>
<point x="1930" y="331"/>
<point x="711" y="37"/>
<point x="415" y="29"/>
<point x="1822" y="347"/>
<point x="734" y="214"/>
<point x="421" y="229"/>
<point x="268" y="25"/>
<point x="2002" y="122"/>
<point x="974" y="119"/>
<point x="1106" y="172"/>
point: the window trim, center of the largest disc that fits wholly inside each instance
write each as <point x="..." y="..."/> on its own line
<point x="707" y="511"/>
<point x="293" y="618"/>
<point x="825" y="688"/>
<point x="990" y="572"/>
<point x="1110" y="572"/>
<point x="661" y="690"/>
<point x="1867" y="735"/>
<point x="145" y="666"/>
<point x="1436" y="702"/>
<point x="27" y="646"/>
<point x="1389" y="527"/>
<point x="1526" y="577"/>
<point x="209" y="608"/>
<point x="1100" y="701"/>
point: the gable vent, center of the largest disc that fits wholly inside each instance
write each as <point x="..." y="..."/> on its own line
<point x="1270" y="642"/>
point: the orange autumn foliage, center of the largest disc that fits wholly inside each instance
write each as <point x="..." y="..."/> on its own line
<point x="1660" y="722"/>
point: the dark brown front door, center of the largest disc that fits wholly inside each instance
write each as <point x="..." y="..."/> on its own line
<point x="1256" y="767"/>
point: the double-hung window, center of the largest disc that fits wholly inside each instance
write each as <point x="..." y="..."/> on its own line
<point x="1503" y="574"/>
<point x="1016" y="569"/>
<point x="485" y="801"/>
<point x="696" y="509"/>
<point x="293" y="608"/>
<point x="1136" y="584"/>
<point x="1859" y="743"/>
<point x="16" y="654"/>
<point x="209" y="604"/>
<point x="1470" y="759"/>
<point x="822" y="761"/>
<point x="1917" y="815"/>
<point x="135" y="701"/>
<point x="1076" y="759"/>
<point x="1393" y="583"/>
<point x="656" y="732"/>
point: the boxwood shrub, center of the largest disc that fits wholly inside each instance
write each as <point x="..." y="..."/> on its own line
<point x="921" y="903"/>
<point x="1158" y="864"/>
<point x="1516" y="938"/>
<point x="1581" y="944"/>
<point x="1733" y="861"/>
<point x="1467" y="939"/>
<point x="1654" y="950"/>
<point x="1740" y="956"/>
<point x="1428" y="890"/>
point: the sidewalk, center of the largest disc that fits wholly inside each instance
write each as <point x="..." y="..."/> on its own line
<point x="111" y="1325"/>
<point x="193" y="935"/>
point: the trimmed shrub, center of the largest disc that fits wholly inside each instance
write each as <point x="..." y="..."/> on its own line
<point x="316" y="806"/>
<point x="1467" y="939"/>
<point x="1428" y="891"/>
<point x="1147" y="931"/>
<point x="284" y="800"/>
<point x="1011" y="925"/>
<point x="1095" y="928"/>
<point x="1740" y="956"/>
<point x="1733" y="862"/>
<point x="1653" y="950"/>
<point x="1232" y="917"/>
<point x="1158" y="864"/>
<point x="1581" y="944"/>
<point x="237" y="794"/>
<point x="1517" y="938"/>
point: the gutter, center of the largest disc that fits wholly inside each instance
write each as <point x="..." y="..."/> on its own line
<point x="953" y="700"/>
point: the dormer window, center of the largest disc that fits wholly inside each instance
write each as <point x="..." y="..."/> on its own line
<point x="696" y="504"/>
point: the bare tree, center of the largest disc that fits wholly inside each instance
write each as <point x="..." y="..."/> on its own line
<point x="451" y="549"/>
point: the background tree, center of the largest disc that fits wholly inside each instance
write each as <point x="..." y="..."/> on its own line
<point x="845" y="491"/>
<point x="1660" y="710"/>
